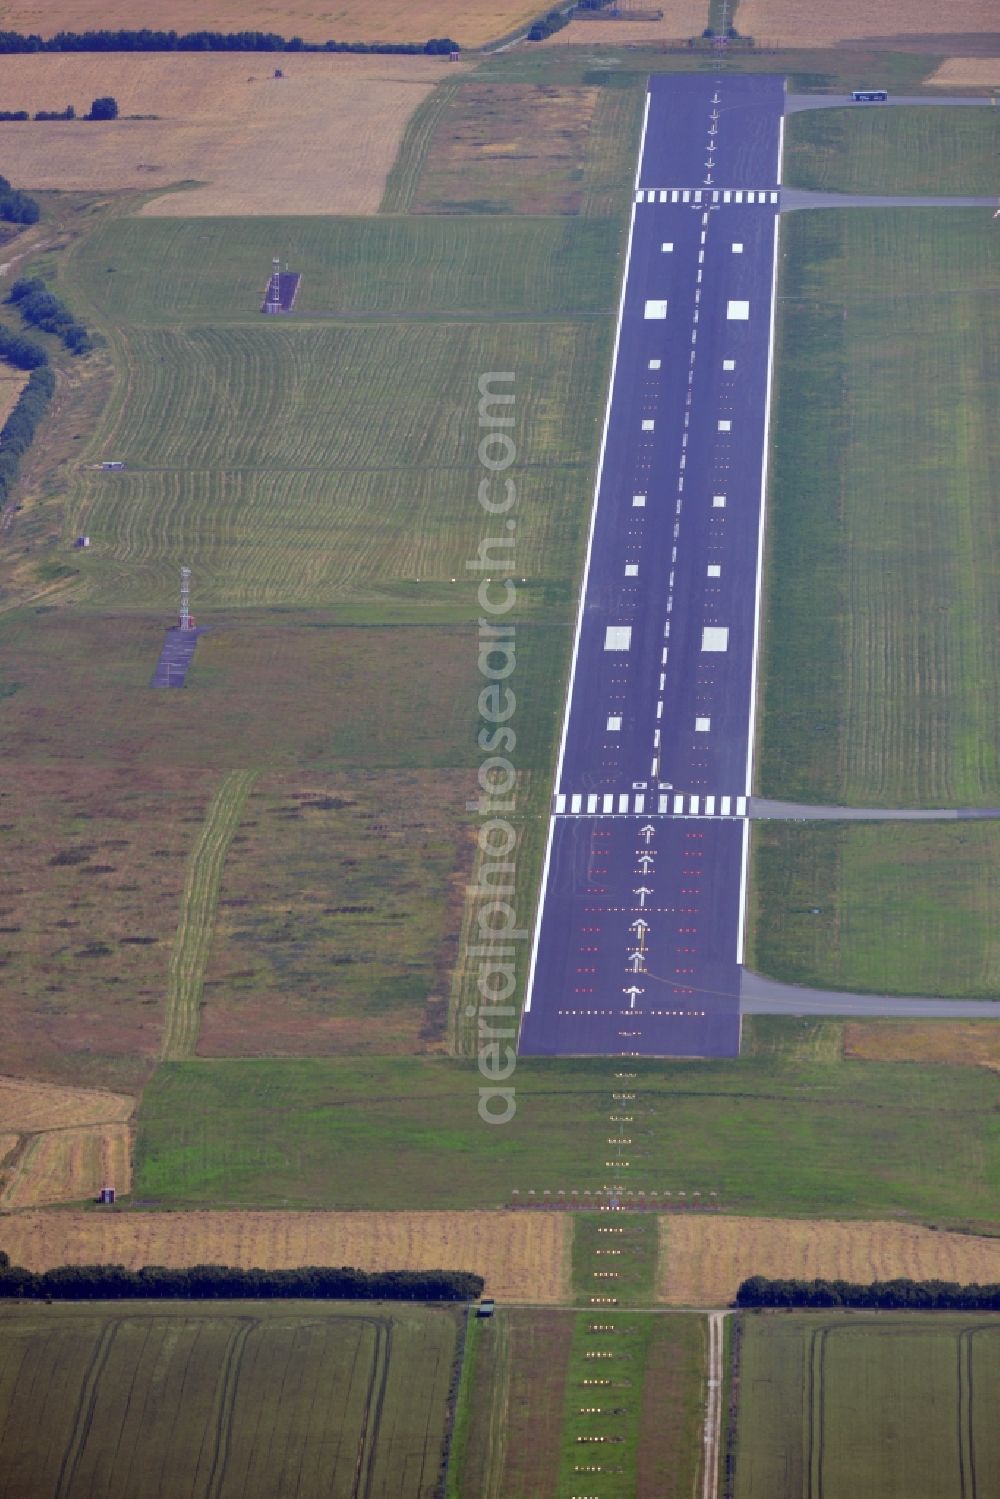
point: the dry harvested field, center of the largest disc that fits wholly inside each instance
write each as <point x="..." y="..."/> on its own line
<point x="27" y="1107"/>
<point x="78" y="1140"/>
<point x="319" y="140"/>
<point x="523" y="1256"/>
<point x="90" y="884"/>
<point x="967" y="72"/>
<point x="476" y="21"/>
<point x="702" y="1259"/>
<point x="974" y="1043"/>
<point x="802" y="23"/>
<point x="681" y="18"/>
<point x="68" y="1165"/>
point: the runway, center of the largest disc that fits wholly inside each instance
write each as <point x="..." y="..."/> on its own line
<point x="638" y="944"/>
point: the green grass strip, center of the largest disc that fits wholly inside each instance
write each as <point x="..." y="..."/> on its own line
<point x="401" y="184"/>
<point x="197" y="919"/>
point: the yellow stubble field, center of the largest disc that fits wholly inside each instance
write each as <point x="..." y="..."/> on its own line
<point x="320" y="139"/>
<point x="73" y="1141"/>
<point x="471" y="24"/>
<point x="523" y="1256"/>
<point x="12" y="382"/>
<point x="703" y="1259"/>
<point x="967" y="72"/>
<point x="802" y="23"/>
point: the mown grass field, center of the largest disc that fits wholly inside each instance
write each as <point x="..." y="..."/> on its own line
<point x="369" y="475"/>
<point x="862" y="1407"/>
<point x="338" y="917"/>
<point x="858" y="1139"/>
<point x="884" y="908"/>
<point x="495" y="148"/>
<point x="93" y="859"/>
<point x="206" y="1400"/>
<point x="142" y="272"/>
<point x="881" y="653"/>
<point x="535" y="1395"/>
<point x="899" y="150"/>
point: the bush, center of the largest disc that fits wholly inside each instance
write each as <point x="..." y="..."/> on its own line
<point x="17" y="208"/>
<point x="105" y="108"/>
<point x="21" y="352"/>
<point x="15" y="440"/>
<point x="13" y="114"/>
<point x="42" y="309"/>
<point x="69" y="113"/>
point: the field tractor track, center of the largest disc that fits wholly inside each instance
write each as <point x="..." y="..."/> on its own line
<point x="83" y="1416"/>
<point x="364" y="1474"/>
<point x="199" y="902"/>
<point x="226" y="1406"/>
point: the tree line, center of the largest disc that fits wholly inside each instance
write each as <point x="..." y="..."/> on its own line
<point x="146" y="40"/>
<point x="41" y="308"/>
<point x="910" y="1295"/>
<point x="16" y="207"/>
<point x="18" y="431"/>
<point x="226" y="1283"/>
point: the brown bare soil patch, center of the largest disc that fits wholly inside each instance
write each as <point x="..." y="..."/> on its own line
<point x="338" y="917"/>
<point x="12" y="382"/>
<point x="90" y="885"/>
<point x="524" y="1256"/>
<point x="471" y="24"/>
<point x="793" y="23"/>
<point x="975" y="1043"/>
<point x="967" y="72"/>
<point x="66" y="1165"/>
<point x="509" y="148"/>
<point x="681" y="19"/>
<point x="319" y="140"/>
<point x="702" y="1260"/>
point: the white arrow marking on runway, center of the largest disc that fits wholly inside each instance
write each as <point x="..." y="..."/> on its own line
<point x="632" y="992"/>
<point x="642" y="892"/>
<point x="647" y="832"/>
<point x="635" y="958"/>
<point x="708" y="179"/>
<point x="645" y="860"/>
<point x="714" y="129"/>
<point x="638" y="925"/>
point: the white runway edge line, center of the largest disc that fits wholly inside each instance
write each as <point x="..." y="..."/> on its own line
<point x="586" y="570"/>
<point x="764" y="464"/>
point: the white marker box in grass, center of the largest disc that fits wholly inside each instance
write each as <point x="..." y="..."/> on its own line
<point x="725" y="426"/>
<point x="737" y="247"/>
<point x="729" y="364"/>
<point x="618" y="637"/>
<point x="656" y="310"/>
<point x="654" y="364"/>
<point x="648" y="425"/>
<point x="614" y="723"/>
<point x="631" y="569"/>
<point x="714" y="570"/>
<point x="638" y="501"/>
<point x="702" y="725"/>
<point x="737" y="312"/>
<point x="719" y="501"/>
<point x="715" y="638"/>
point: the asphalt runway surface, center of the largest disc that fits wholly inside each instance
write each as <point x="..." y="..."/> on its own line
<point x="639" y="940"/>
